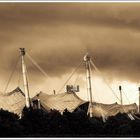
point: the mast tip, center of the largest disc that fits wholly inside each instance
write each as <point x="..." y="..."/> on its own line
<point x="22" y="51"/>
<point x="87" y="57"/>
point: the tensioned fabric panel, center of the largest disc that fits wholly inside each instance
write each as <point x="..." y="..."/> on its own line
<point x="69" y="101"/>
<point x="12" y="101"/>
<point x="106" y="110"/>
<point x="15" y="102"/>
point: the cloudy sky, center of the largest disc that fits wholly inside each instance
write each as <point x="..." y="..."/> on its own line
<point x="57" y="35"/>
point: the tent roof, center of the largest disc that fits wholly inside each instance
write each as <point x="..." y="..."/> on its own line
<point x="13" y="101"/>
<point x="69" y="101"/>
<point x="100" y="109"/>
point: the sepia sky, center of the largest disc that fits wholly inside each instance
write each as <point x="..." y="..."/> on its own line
<point x="57" y="35"/>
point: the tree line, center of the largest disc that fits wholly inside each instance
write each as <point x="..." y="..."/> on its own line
<point x="39" y="123"/>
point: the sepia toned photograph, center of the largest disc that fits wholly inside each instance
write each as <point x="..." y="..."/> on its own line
<point x="69" y="70"/>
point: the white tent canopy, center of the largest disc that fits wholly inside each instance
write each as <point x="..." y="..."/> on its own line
<point x="60" y="102"/>
<point x="106" y="110"/>
<point x="71" y="101"/>
<point x="13" y="101"/>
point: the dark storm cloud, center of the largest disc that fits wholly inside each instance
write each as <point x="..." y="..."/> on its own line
<point x="124" y="15"/>
<point x="58" y="35"/>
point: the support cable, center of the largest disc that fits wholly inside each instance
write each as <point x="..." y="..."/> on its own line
<point x="97" y="70"/>
<point x="135" y="116"/>
<point x="70" y="76"/>
<point x="76" y="80"/>
<point x="99" y="98"/>
<point x="35" y="63"/>
<point x="11" y="75"/>
<point x="126" y="97"/>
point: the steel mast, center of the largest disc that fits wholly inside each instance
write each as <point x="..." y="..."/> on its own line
<point x="121" y="100"/>
<point x="139" y="100"/>
<point x="25" y="80"/>
<point x="89" y="89"/>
